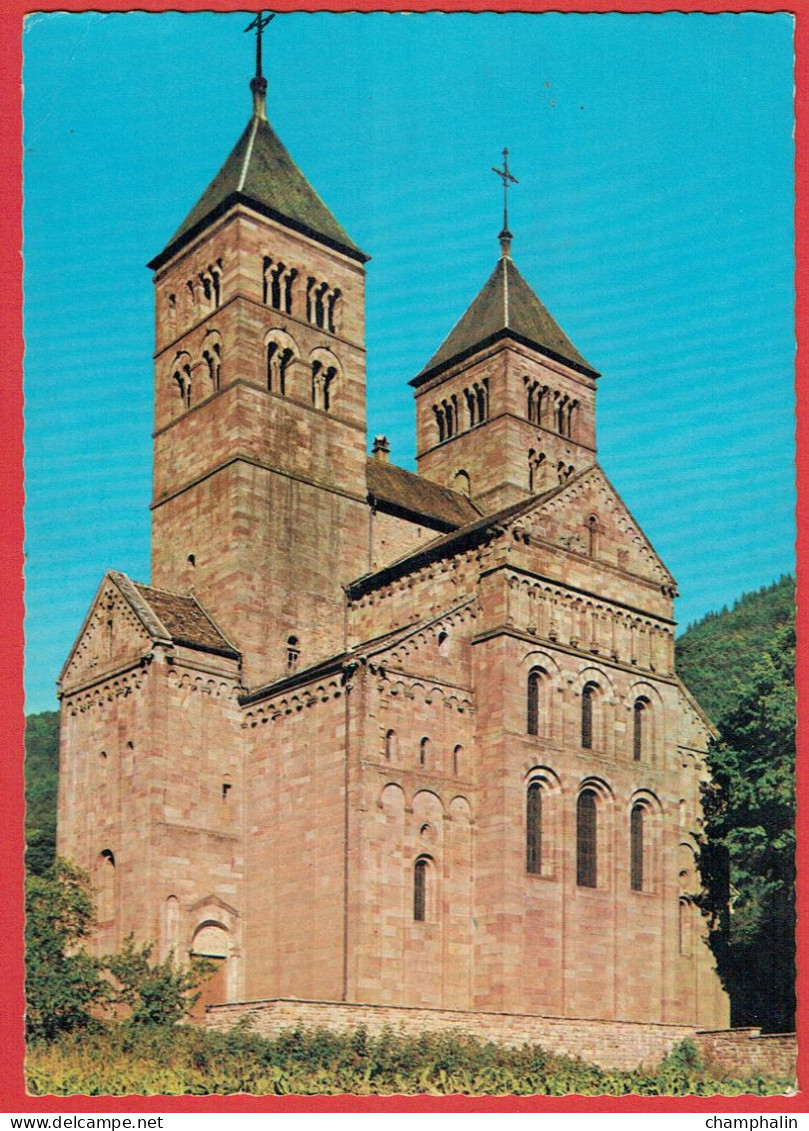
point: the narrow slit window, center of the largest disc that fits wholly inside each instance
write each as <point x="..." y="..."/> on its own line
<point x="637" y="729"/>
<point x="636" y="847"/>
<point x="533" y="829"/>
<point x="456" y="760"/>
<point x="532" y="721"/>
<point x="420" y="891"/>
<point x="587" y="696"/>
<point x="586" y="840"/>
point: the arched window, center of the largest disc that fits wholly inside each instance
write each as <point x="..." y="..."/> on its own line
<point x="456" y="760"/>
<point x="420" y="890"/>
<point x="482" y="392"/>
<point x="323" y="378"/>
<point x="216" y="284"/>
<point x="278" y="361"/>
<point x="533" y="828"/>
<point x="105" y="876"/>
<point x="441" y="422"/>
<point x="182" y="378"/>
<point x="532" y="723"/>
<point x="587" y="698"/>
<point x="586" y="839"/>
<point x="276" y="284"/>
<point x="390" y="744"/>
<point x="320" y="305"/>
<point x="561" y="416"/>
<point x="424" y="750"/>
<point x="636" y="848"/>
<point x="471" y="403"/>
<point x="461" y="482"/>
<point x="290" y="278"/>
<point x="293" y="653"/>
<point x="213" y="359"/>
<point x="638" y="728"/>
<point x="592" y="535"/>
<point x="572" y="419"/>
<point x="332" y="308"/>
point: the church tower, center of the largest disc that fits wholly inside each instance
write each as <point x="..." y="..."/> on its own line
<point x="260" y="431"/>
<point x="505" y="408"/>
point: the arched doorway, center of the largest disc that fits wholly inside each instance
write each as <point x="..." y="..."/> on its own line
<point x="211" y="943"/>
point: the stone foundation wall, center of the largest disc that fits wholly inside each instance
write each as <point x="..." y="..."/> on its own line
<point x="748" y="1052"/>
<point x="612" y="1044"/>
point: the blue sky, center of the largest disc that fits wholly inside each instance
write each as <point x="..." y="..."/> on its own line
<point x="653" y="217"/>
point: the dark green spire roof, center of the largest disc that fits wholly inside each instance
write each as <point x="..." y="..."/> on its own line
<point x="260" y="173"/>
<point x="505" y="308"/>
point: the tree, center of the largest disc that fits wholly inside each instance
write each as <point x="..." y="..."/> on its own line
<point x="748" y="853"/>
<point x="67" y="988"/>
<point x="716" y="656"/>
<point x="63" y="984"/>
<point x="41" y="779"/>
<point x="160" y="994"/>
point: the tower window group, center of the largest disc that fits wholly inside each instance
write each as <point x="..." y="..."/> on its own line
<point x="548" y="408"/>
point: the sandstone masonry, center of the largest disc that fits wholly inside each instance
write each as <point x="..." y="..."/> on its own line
<point x="405" y="744"/>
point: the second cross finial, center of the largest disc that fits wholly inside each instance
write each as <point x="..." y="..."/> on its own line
<point x="258" y="84"/>
<point x="506" y="178"/>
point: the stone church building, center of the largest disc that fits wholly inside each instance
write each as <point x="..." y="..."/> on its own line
<point x="371" y="736"/>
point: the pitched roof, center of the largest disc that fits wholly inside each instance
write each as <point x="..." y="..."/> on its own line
<point x="505" y="307"/>
<point x="173" y="616"/>
<point x="259" y="172"/>
<point x="363" y="651"/>
<point x="418" y="497"/>
<point x="484" y="527"/>
<point x="185" y="620"/>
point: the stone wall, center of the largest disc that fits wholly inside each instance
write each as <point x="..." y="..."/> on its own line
<point x="749" y="1052"/>
<point x="612" y="1044"/>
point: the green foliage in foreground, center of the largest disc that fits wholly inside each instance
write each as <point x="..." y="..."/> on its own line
<point x="748" y="858"/>
<point x="63" y="985"/>
<point x="67" y="989"/>
<point x="117" y="1060"/>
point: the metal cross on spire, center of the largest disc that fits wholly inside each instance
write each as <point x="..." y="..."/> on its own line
<point x="506" y="177"/>
<point x="259" y="23"/>
<point x="258" y="84"/>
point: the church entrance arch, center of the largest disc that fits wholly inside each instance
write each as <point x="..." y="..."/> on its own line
<point x="211" y="943"/>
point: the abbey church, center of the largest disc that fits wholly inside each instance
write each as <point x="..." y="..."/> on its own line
<point x="369" y="736"/>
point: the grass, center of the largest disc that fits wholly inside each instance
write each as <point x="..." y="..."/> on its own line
<point x="122" y="1059"/>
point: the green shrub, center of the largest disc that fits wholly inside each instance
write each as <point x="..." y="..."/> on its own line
<point x="120" y="1059"/>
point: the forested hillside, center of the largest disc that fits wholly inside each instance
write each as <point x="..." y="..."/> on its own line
<point x="716" y="655"/>
<point x="740" y="664"/>
<point x="41" y="774"/>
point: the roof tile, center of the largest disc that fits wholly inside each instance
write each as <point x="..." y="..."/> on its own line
<point x="260" y="172"/>
<point x="505" y="306"/>
<point x="420" y="497"/>
<point x="185" y="620"/>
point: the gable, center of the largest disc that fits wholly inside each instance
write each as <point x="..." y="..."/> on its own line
<point x="127" y="618"/>
<point x="112" y="636"/>
<point x="433" y="647"/>
<point x="587" y="516"/>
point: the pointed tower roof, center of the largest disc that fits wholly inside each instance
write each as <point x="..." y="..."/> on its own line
<point x="260" y="173"/>
<point x="506" y="307"/>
